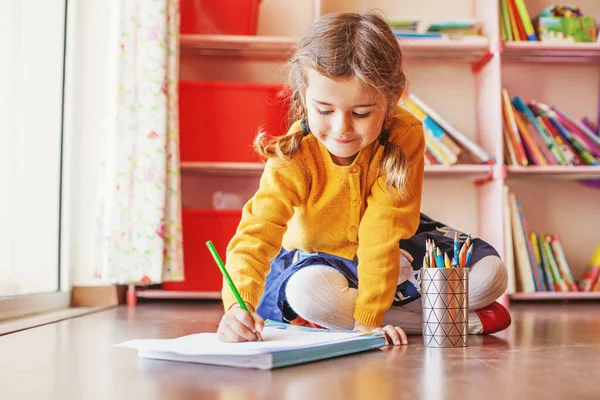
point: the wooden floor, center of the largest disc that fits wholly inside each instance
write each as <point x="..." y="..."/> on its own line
<point x="552" y="351"/>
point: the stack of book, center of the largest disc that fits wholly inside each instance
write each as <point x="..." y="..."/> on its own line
<point x="515" y="23"/>
<point x="455" y="30"/>
<point x="557" y="23"/>
<point x="539" y="258"/>
<point x="444" y="144"/>
<point x="539" y="134"/>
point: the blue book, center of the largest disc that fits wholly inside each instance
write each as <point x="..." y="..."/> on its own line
<point x="282" y="345"/>
<point x="417" y="35"/>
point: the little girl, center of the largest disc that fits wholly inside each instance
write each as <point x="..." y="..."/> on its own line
<point x="320" y="242"/>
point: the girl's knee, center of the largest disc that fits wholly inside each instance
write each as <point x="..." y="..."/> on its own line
<point x="321" y="294"/>
<point x="488" y="280"/>
<point x="322" y="277"/>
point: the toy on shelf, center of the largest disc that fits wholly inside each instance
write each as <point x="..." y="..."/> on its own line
<point x="565" y="23"/>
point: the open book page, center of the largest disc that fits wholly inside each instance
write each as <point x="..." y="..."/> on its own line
<point x="275" y="339"/>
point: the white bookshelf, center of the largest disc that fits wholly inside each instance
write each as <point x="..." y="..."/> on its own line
<point x="462" y="82"/>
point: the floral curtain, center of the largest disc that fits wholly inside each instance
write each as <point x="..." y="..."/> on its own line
<point x="139" y="237"/>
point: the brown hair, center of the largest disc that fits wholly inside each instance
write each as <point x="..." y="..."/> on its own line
<point x="343" y="45"/>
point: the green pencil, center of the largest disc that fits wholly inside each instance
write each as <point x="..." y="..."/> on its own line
<point x="221" y="266"/>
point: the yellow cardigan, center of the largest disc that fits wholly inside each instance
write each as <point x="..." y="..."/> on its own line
<point x="310" y="203"/>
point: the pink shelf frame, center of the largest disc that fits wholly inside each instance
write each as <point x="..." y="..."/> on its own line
<point x="556" y="296"/>
<point x="269" y="47"/>
<point x="177" y="294"/>
<point x="554" y="172"/>
<point x="531" y="51"/>
<point x="277" y="48"/>
<point x="474" y="172"/>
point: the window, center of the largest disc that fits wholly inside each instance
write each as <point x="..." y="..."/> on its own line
<point x="32" y="42"/>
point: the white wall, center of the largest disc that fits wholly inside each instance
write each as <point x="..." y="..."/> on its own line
<point x="31" y="70"/>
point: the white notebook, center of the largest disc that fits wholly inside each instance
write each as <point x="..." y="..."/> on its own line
<point x="282" y="345"/>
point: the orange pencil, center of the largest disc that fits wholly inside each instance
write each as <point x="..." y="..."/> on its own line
<point x="462" y="256"/>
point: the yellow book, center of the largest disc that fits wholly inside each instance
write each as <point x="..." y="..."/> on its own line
<point x="437" y="151"/>
<point x="428" y="122"/>
<point x="513" y="23"/>
<point x="525" y="20"/>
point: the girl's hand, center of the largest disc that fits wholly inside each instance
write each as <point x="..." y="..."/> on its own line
<point x="393" y="334"/>
<point x="238" y="326"/>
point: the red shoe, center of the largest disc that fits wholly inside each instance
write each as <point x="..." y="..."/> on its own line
<point x="302" y="322"/>
<point x="494" y="318"/>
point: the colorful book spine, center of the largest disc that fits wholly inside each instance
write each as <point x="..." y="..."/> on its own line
<point x="532" y="150"/>
<point x="561" y="261"/>
<point x="571" y="156"/>
<point x="556" y="274"/>
<point x="505" y="20"/>
<point x="518" y="23"/>
<point x="586" y="156"/>
<point x="580" y="137"/>
<point x="590" y="138"/>
<point x="543" y="147"/>
<point x="522" y="107"/>
<point x="513" y="129"/>
<point x="552" y="283"/>
<point x="538" y="269"/>
<point x="525" y="20"/>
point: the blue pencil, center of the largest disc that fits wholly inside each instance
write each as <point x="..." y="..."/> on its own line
<point x="455" y="260"/>
<point x="469" y="254"/>
<point x="438" y="258"/>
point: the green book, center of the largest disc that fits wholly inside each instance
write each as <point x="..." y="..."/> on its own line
<point x="505" y="20"/>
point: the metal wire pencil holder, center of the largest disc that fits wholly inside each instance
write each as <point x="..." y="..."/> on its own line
<point x="445" y="301"/>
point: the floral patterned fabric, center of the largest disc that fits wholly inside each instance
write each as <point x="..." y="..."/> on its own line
<point x="139" y="238"/>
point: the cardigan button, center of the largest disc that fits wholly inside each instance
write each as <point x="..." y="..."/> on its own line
<point x="353" y="229"/>
<point x="354" y="170"/>
<point x="356" y="203"/>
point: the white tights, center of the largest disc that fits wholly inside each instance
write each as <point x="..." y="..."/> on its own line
<point x="320" y="294"/>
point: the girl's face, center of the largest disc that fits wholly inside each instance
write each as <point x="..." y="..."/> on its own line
<point x="343" y="115"/>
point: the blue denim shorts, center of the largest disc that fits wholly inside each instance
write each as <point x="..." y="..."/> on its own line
<point x="273" y="304"/>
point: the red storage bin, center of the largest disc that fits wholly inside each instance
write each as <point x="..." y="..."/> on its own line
<point x="200" y="226"/>
<point x="219" y="120"/>
<point x="224" y="17"/>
